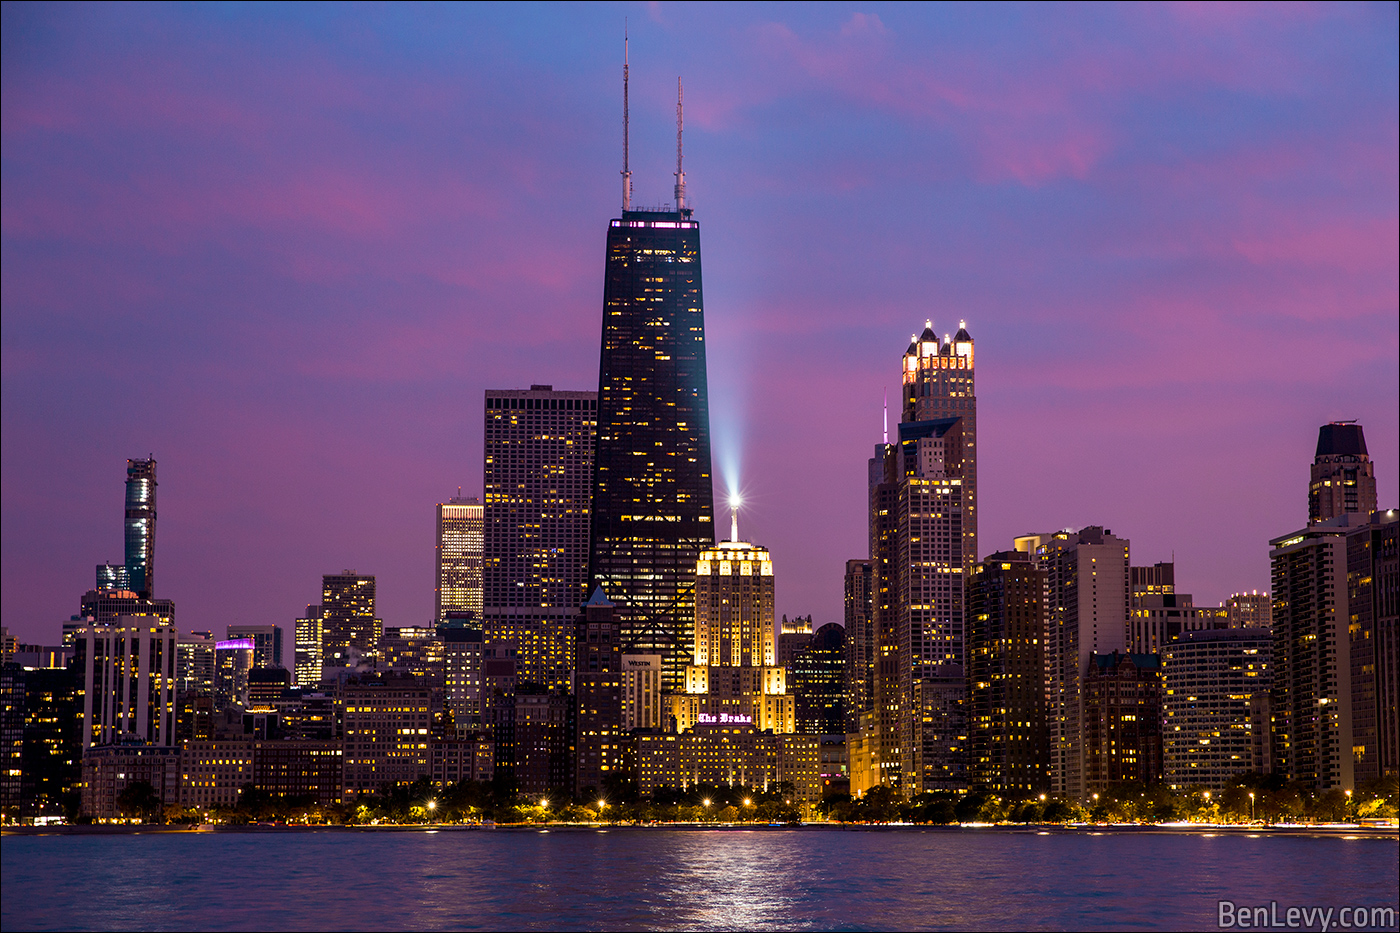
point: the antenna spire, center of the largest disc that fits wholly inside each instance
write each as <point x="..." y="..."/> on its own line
<point x="734" y="522"/>
<point x="626" y="129"/>
<point x="680" y="123"/>
<point x="886" y="439"/>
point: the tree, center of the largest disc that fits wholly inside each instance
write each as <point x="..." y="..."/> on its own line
<point x="139" y="799"/>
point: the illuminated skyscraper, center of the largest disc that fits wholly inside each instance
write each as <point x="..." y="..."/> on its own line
<point x="939" y="383"/>
<point x="141" y="526"/>
<point x="460" y="545"/>
<point x="347" y="618"/>
<point x="652" y="501"/>
<point x="734" y="671"/>
<point x="539" y="461"/>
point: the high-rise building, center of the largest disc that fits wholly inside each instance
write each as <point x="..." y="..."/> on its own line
<point x="539" y="460"/>
<point x="598" y="686"/>
<point x="1157" y="580"/>
<point x="127" y="671"/>
<point x="817" y="678"/>
<point x="112" y="577"/>
<point x="794" y="635"/>
<point x="641" y="692"/>
<point x="1248" y="610"/>
<point x="233" y="660"/>
<point x="462" y="660"/>
<point x="386" y="733"/>
<point x="1122" y="720"/>
<point x="1159" y="618"/>
<point x="350" y="628"/>
<point x="460" y="549"/>
<point x="652" y="499"/>
<point x="860" y="642"/>
<point x="1343" y="478"/>
<point x="141" y="526"/>
<point x="1311" y="696"/>
<point x="939" y="384"/>
<point x="1006" y="616"/>
<point x="1373" y="600"/>
<point x="734" y="676"/>
<point x="309" y="634"/>
<point x="267" y="642"/>
<point x="923" y="546"/>
<point x="194" y="663"/>
<point x="1089" y="600"/>
<point x="104" y="607"/>
<point x="1209" y="734"/>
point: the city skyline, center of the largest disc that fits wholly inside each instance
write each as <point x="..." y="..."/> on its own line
<point x="1172" y="232"/>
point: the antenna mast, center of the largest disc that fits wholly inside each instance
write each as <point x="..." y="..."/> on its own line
<point x="626" y="165"/>
<point x="680" y="123"/>
<point x="886" y="440"/>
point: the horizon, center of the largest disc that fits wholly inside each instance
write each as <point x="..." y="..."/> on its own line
<point x="287" y="251"/>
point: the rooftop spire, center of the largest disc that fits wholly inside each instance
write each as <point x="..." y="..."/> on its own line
<point x="680" y="122"/>
<point x="626" y="165"/>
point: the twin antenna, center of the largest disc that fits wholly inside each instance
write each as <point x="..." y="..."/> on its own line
<point x="626" y="134"/>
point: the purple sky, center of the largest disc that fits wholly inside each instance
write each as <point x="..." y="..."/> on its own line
<point x="286" y="248"/>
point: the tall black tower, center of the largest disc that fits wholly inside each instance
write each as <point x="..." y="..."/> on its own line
<point x="653" y="506"/>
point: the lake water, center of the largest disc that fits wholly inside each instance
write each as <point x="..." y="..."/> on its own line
<point x="679" y="879"/>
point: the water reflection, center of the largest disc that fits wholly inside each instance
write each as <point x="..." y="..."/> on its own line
<point x="676" y="879"/>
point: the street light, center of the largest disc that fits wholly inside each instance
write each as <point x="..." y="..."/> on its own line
<point x="1251" y="806"/>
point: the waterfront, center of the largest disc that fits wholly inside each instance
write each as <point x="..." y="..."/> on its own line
<point x="680" y="879"/>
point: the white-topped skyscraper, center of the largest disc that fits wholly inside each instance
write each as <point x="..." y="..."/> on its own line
<point x="923" y="545"/>
<point x="940" y="382"/>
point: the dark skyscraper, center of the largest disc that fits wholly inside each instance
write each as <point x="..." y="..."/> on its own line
<point x="141" y="526"/>
<point x="652" y="500"/>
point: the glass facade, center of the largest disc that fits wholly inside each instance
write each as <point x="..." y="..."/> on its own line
<point x="141" y="526"/>
<point x="653" y="506"/>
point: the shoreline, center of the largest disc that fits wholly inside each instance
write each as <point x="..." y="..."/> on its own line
<point x="1352" y="831"/>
